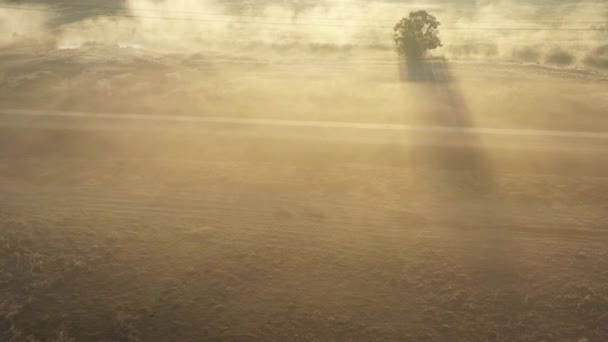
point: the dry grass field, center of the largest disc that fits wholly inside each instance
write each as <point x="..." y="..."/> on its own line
<point x="161" y="180"/>
<point x="138" y="235"/>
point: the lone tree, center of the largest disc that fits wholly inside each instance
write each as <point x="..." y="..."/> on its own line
<point x="416" y="34"/>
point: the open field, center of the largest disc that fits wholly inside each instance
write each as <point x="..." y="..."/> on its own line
<point x="316" y="86"/>
<point x="140" y="232"/>
<point x="272" y="171"/>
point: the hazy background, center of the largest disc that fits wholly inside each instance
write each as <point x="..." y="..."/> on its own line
<point x="187" y="26"/>
<point x="322" y="60"/>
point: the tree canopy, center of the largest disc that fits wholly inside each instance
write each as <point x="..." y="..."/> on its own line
<point x="416" y="34"/>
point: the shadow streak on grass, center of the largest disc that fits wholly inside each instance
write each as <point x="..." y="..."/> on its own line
<point x="439" y="87"/>
<point x="469" y="177"/>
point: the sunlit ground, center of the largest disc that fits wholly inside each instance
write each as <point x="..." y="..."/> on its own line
<point x="300" y="189"/>
<point x="135" y="234"/>
<point x="328" y="86"/>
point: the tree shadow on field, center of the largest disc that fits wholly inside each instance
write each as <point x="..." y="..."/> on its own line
<point x="469" y="211"/>
<point x="445" y="107"/>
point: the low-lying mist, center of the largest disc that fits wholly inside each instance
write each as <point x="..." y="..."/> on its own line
<point x="481" y="30"/>
<point x="318" y="60"/>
